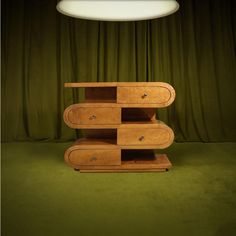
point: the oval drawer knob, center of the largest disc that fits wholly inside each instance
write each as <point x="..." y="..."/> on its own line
<point x="141" y="138"/>
<point x="93" y="117"/>
<point x="144" y="95"/>
<point x="93" y="158"/>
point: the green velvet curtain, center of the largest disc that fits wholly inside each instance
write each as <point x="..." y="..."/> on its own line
<point x="193" y="50"/>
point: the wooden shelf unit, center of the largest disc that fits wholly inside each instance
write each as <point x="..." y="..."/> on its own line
<point x="120" y="127"/>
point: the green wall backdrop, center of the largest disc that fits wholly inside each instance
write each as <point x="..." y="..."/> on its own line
<point x="193" y="50"/>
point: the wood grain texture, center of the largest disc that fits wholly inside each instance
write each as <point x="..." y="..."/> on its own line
<point x="145" y="124"/>
<point x="120" y="116"/>
<point x="76" y="116"/>
<point x="113" y="84"/>
<point x="160" y="162"/>
<point x="75" y="157"/>
<point x="93" y="152"/>
<point x="161" y="96"/>
<point x="97" y="103"/>
<point x="159" y="136"/>
<point x="89" y="85"/>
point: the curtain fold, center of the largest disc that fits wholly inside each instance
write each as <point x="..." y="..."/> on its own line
<point x="193" y="50"/>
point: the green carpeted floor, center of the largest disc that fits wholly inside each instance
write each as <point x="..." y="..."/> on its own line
<point x="41" y="196"/>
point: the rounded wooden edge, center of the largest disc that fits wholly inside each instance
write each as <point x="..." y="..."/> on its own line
<point x="87" y="126"/>
<point x="74" y="148"/>
<point x="160" y="125"/>
<point x="111" y="84"/>
<point x="65" y="115"/>
<point x="66" y="157"/>
<point x="156" y="105"/>
<point x="172" y="94"/>
<point x="171" y="136"/>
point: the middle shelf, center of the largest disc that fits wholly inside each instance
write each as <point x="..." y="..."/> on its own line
<point x="130" y="136"/>
<point x="103" y="115"/>
<point x="132" y="127"/>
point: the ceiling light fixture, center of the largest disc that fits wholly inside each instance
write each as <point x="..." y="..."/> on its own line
<point x="117" y="10"/>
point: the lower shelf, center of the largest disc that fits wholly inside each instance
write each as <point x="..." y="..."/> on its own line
<point x="132" y="163"/>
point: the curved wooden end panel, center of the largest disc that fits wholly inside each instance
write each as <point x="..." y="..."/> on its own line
<point x="67" y="157"/>
<point x="172" y="94"/>
<point x="159" y="136"/>
<point x="76" y="116"/>
<point x="170" y="138"/>
<point x="77" y="157"/>
<point x="66" y="116"/>
<point x="161" y="95"/>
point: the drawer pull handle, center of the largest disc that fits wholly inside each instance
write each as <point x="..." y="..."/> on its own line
<point x="144" y="95"/>
<point x="93" y="117"/>
<point x="141" y="138"/>
<point x="93" y="158"/>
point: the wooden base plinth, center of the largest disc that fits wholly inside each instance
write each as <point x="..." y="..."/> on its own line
<point x="154" y="163"/>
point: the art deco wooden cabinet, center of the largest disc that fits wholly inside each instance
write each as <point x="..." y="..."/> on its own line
<point x="120" y="127"/>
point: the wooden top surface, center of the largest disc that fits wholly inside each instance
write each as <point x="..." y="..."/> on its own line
<point x="104" y="104"/>
<point x="114" y="84"/>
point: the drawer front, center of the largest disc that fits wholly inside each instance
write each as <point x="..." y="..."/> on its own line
<point x="161" y="137"/>
<point x="75" y="115"/>
<point x="160" y="95"/>
<point x="78" y="157"/>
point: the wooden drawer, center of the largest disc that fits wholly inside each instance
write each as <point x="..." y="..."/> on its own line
<point x="75" y="116"/>
<point x="162" y="95"/>
<point x="160" y="137"/>
<point x="77" y="157"/>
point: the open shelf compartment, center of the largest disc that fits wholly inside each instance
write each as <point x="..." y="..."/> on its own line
<point x="134" y="161"/>
<point x="143" y="115"/>
<point x="100" y="95"/>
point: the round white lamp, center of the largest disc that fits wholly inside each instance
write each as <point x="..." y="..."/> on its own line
<point x="117" y="10"/>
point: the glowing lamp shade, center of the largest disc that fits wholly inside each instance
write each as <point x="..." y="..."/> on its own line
<point x="117" y="10"/>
